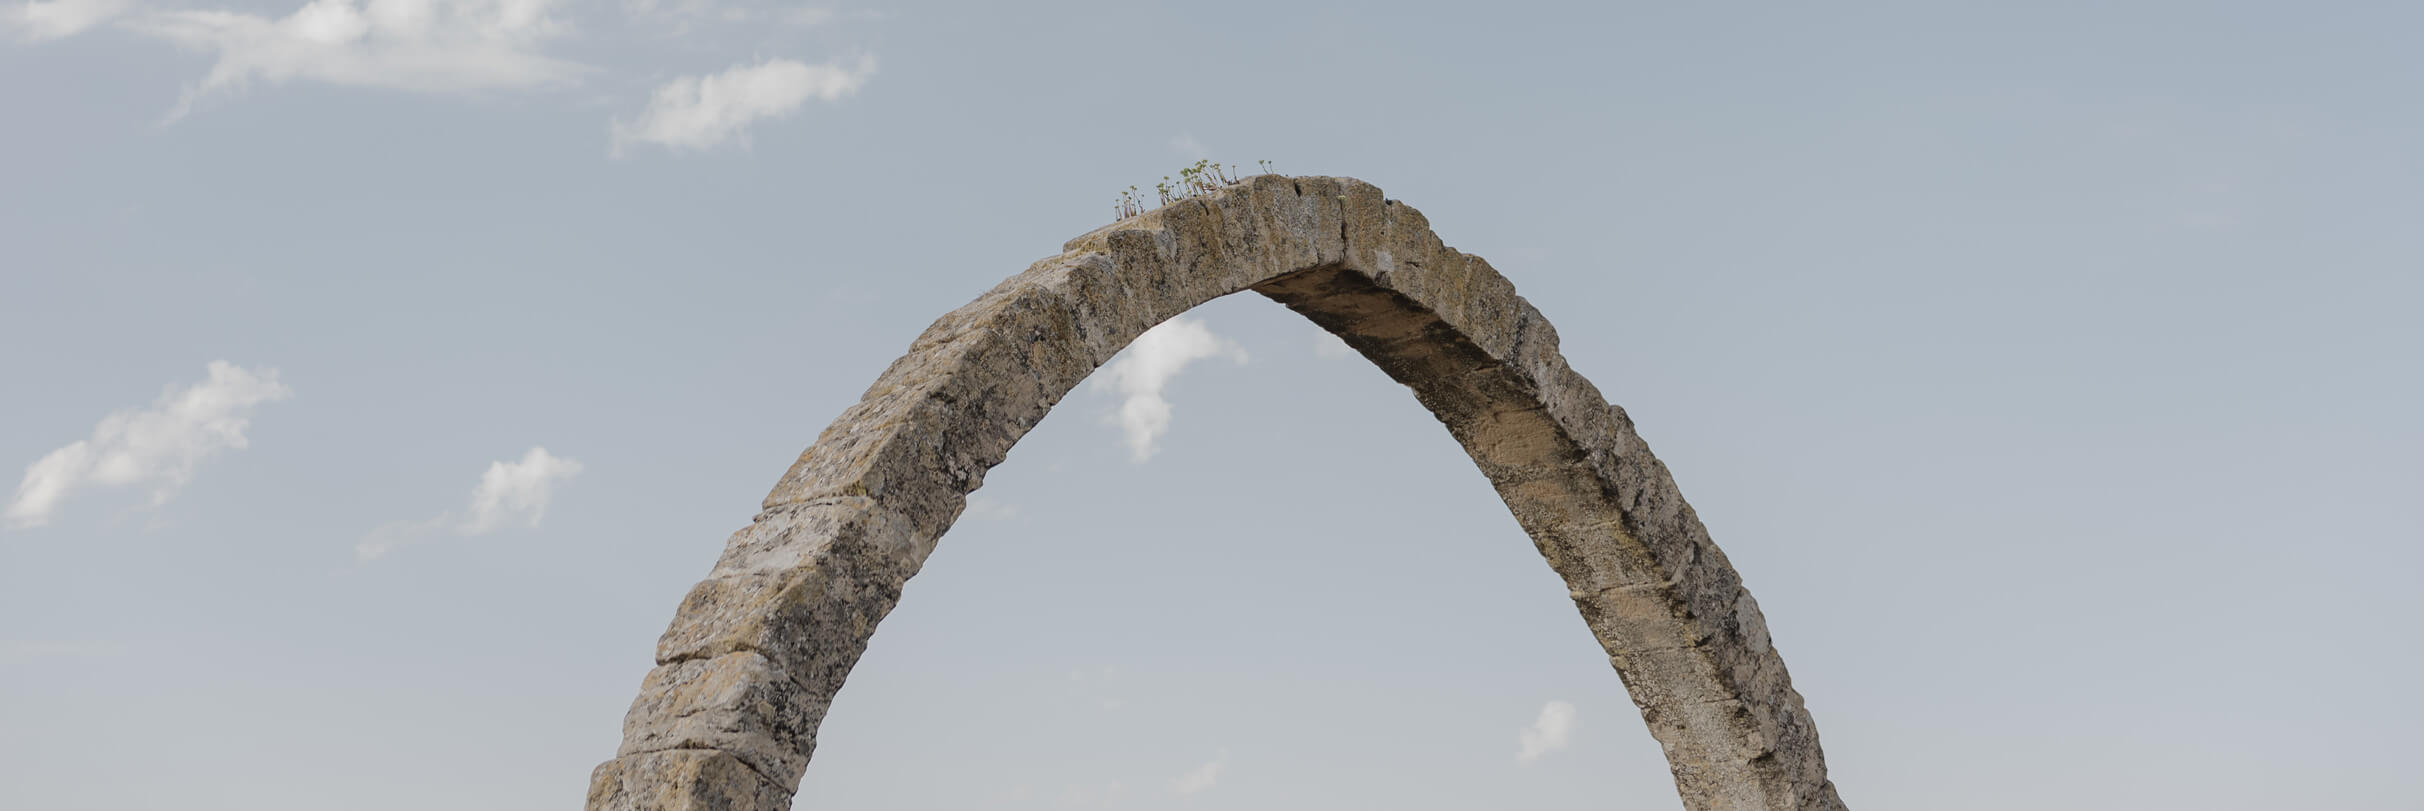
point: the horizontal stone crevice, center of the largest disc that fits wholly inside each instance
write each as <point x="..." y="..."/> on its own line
<point x="736" y="647"/>
<point x="777" y="785"/>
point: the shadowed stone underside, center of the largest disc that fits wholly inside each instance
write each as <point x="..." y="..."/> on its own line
<point x="727" y="720"/>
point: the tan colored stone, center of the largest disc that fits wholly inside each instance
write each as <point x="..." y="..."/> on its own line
<point x="756" y="652"/>
<point x="683" y="780"/>
<point x="738" y="703"/>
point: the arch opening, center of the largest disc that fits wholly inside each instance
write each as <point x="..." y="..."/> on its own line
<point x="727" y="719"/>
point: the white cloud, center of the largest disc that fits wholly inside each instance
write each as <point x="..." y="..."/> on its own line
<point x="1551" y="732"/>
<point x="160" y="446"/>
<point x="429" y="46"/>
<point x="1145" y="368"/>
<point x="509" y="492"/>
<point x="51" y="19"/>
<point x="512" y="491"/>
<point x="1201" y="778"/>
<point x="474" y="46"/>
<point x="704" y="112"/>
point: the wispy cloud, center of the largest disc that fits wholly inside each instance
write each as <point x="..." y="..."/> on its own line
<point x="705" y="112"/>
<point x="1080" y="797"/>
<point x="429" y="46"/>
<point x="160" y="446"/>
<point x="681" y="14"/>
<point x="508" y="493"/>
<point x="1145" y="368"/>
<point x="1201" y="778"/>
<point x="1549" y="733"/>
<point x="478" y="46"/>
<point x="51" y="19"/>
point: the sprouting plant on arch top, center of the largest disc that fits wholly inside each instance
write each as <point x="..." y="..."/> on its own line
<point x="1204" y="177"/>
<point x="1130" y="205"/>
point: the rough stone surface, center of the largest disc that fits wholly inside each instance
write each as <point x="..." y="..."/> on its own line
<point x="684" y="780"/>
<point x="728" y="718"/>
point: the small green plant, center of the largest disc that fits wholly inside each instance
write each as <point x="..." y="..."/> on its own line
<point x="1204" y="177"/>
<point x="1130" y="205"/>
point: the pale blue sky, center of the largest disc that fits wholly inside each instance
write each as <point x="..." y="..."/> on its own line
<point x="2049" y="371"/>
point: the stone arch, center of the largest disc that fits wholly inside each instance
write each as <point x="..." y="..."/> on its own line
<point x="728" y="717"/>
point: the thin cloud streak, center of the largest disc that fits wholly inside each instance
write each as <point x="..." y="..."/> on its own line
<point x="161" y="446"/>
<point x="699" y="113"/>
<point x="471" y="47"/>
<point x="42" y="20"/>
<point x="681" y="15"/>
<point x="424" y="46"/>
<point x="508" y="493"/>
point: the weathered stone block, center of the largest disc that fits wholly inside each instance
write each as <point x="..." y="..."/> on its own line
<point x="813" y="621"/>
<point x="683" y="780"/>
<point x="739" y="703"/>
<point x="796" y="535"/>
